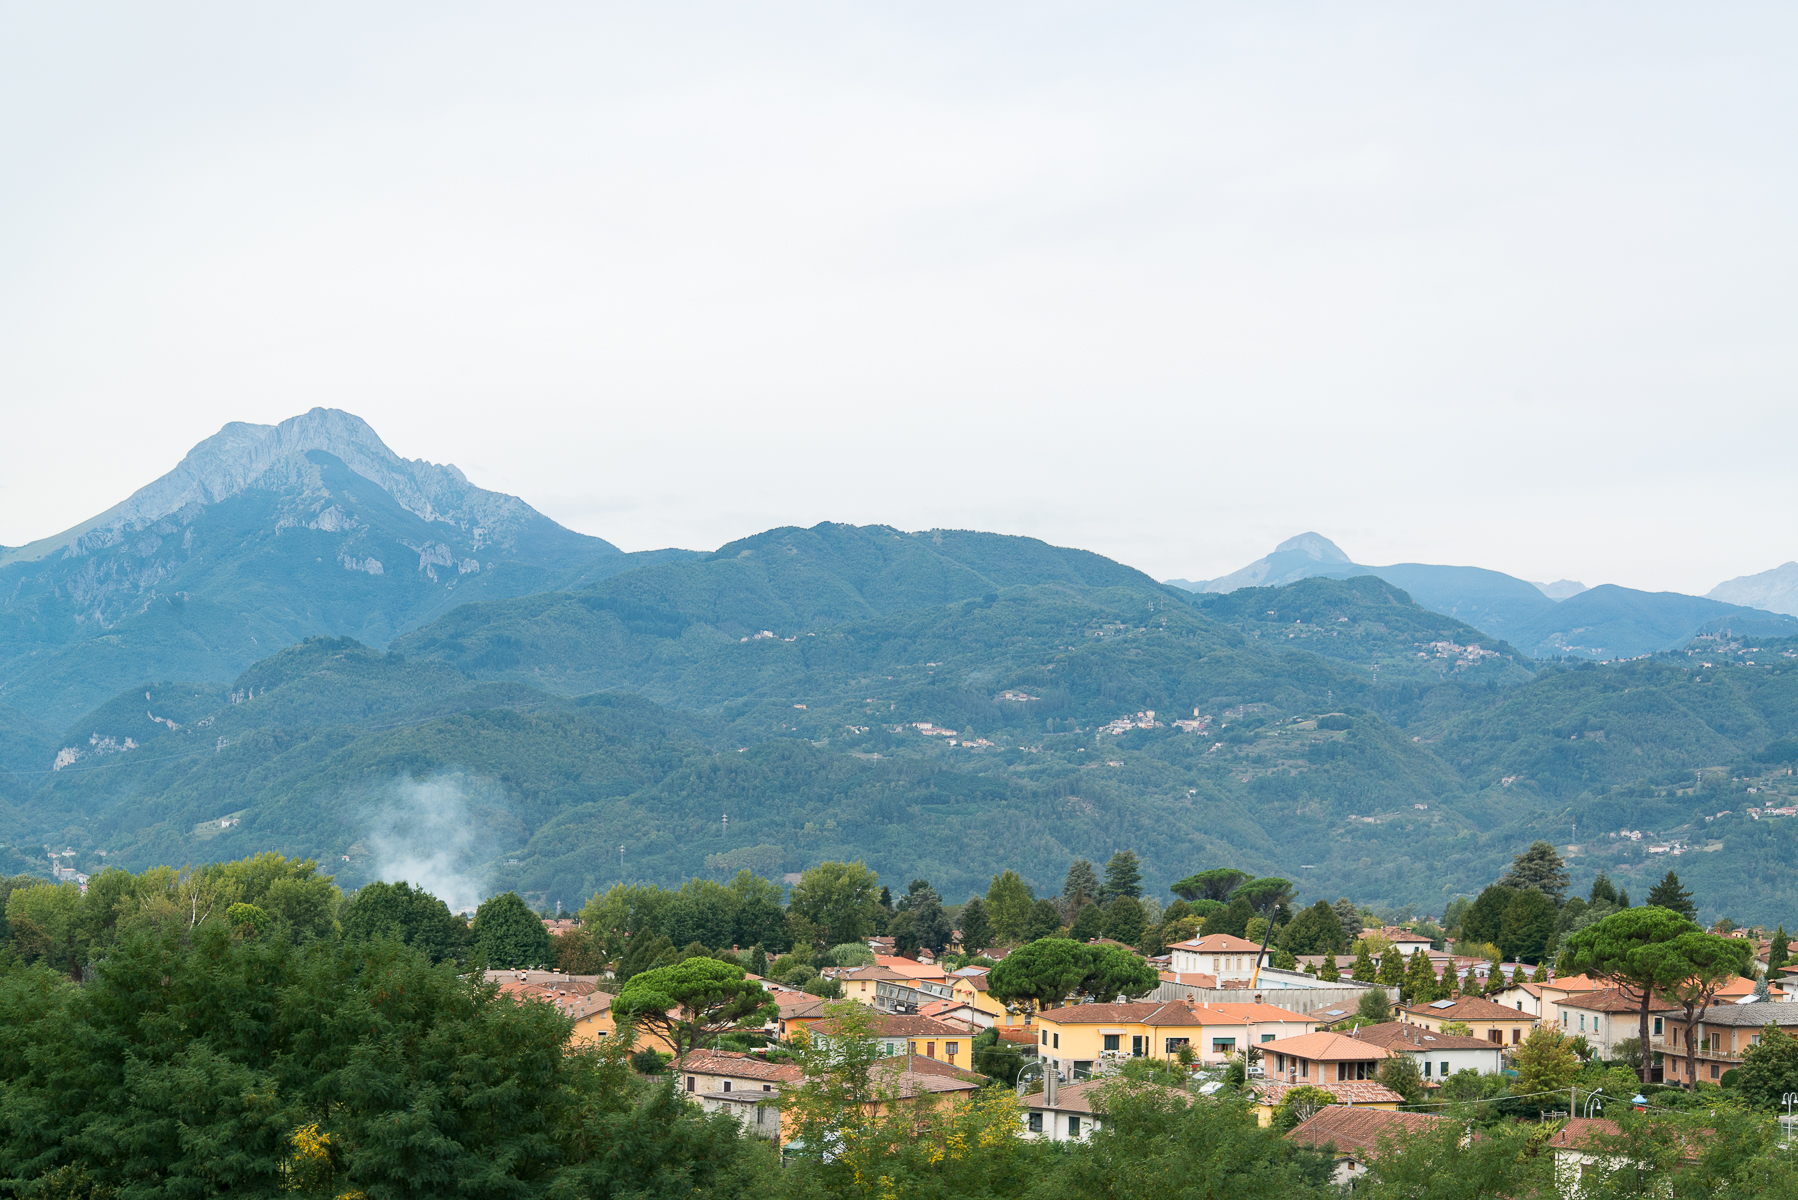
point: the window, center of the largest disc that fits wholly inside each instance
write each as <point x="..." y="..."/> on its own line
<point x="949" y="1048"/>
<point x="1045" y="1037"/>
<point x="1658" y="1027"/>
<point x="1268" y="1037"/>
<point x="1304" y="1069"/>
<point x="1057" y="1042"/>
<point x="1036" y="1122"/>
<point x="1715" y="1068"/>
<point x="1444" y="1071"/>
<point x="690" y="1082"/>
<point x="1582" y="1022"/>
<point x="1496" y="1035"/>
<point x="1173" y="1044"/>
<point x="1426" y="1069"/>
<point x="1111" y="1041"/>
<point x="727" y="1085"/>
<point x="1136" y="1042"/>
<point x="1516" y="1036"/>
<point x="767" y="1087"/>
<point x="929" y="1049"/>
<point x="1223" y="1045"/>
<point x="1073" y="1127"/>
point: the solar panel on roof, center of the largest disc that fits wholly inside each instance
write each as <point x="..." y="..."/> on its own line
<point x="1442" y="1004"/>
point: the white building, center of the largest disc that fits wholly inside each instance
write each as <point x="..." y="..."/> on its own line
<point x="1220" y="955"/>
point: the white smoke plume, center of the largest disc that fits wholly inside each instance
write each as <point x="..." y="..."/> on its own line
<point x="437" y="834"/>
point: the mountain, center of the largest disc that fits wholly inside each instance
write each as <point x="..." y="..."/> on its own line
<point x="261" y="536"/>
<point x="1775" y="590"/>
<point x="1563" y="619"/>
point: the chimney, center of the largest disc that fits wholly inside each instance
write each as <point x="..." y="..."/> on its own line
<point x="1050" y="1081"/>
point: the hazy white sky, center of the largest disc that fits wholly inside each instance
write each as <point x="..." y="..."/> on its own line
<point x="1506" y="284"/>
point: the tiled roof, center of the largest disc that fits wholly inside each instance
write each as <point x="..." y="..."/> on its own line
<point x="1396" y="1035"/>
<point x="1574" y="1135"/>
<point x="1190" y="978"/>
<point x="1778" y="1012"/>
<point x="1249" y="1010"/>
<point x="738" y="1066"/>
<point x="1467" y="1008"/>
<point x="1024" y="1034"/>
<point x="1079" y="1097"/>
<point x="910" y="968"/>
<point x="875" y="972"/>
<point x="913" y="1074"/>
<point x="899" y="1025"/>
<point x="1355" y="1091"/>
<point x="1147" y="1013"/>
<point x="576" y="1001"/>
<point x="1218" y="943"/>
<point x="1324" y="1046"/>
<point x="1616" y="1000"/>
<point x="1358" y="1131"/>
<point x="802" y="1007"/>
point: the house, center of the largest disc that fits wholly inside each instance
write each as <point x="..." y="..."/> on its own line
<point x="1322" y="1058"/>
<point x="1257" y="1022"/>
<point x="1723" y="1037"/>
<point x="744" y="1085"/>
<point x="1361" y="1093"/>
<point x="1220" y="955"/>
<point x="576" y="997"/>
<point x="1073" y="1037"/>
<point x="1525" y="997"/>
<point x="1356" y="1134"/>
<point x="969" y="986"/>
<point x="910" y="968"/>
<point x="1438" y="1055"/>
<point x="1403" y="940"/>
<point x="954" y="1012"/>
<point x="861" y="984"/>
<point x="1610" y="1016"/>
<point x="798" y="1013"/>
<point x="1073" y="1112"/>
<point x="1577" y="1152"/>
<point x="1487" y="1019"/>
<point x="921" y="1037"/>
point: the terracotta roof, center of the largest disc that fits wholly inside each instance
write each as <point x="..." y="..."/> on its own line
<point x="1149" y="1013"/>
<point x="1466" y="1008"/>
<point x="738" y="1066"/>
<point x="875" y="972"/>
<point x="1218" y="943"/>
<point x="1249" y="1010"/>
<point x="1359" y="1131"/>
<point x="1354" y="1091"/>
<point x="1190" y="978"/>
<point x="1023" y="1034"/>
<point x="1396" y="1035"/>
<point x="1534" y="989"/>
<point x="1324" y="1046"/>
<point x="803" y="1007"/>
<point x="899" y="1025"/>
<point x="577" y="1001"/>
<point x="910" y="968"/>
<point x="1616" y="1000"/>
<point x="913" y="1074"/>
<point x="1574" y="1134"/>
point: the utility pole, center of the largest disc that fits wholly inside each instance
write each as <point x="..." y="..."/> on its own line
<point x="726" y="824"/>
<point x="621" y="863"/>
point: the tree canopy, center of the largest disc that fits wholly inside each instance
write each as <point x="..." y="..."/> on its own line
<point x="1049" y="970"/>
<point x="1626" y="947"/>
<point x="693" y="1001"/>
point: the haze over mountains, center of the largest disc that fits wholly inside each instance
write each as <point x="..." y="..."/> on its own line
<point x="300" y="641"/>
<point x="1545" y="620"/>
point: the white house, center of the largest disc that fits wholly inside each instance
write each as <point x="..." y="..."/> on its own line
<point x="1219" y="955"/>
<point x="1438" y="1055"/>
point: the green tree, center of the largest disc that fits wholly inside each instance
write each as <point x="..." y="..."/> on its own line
<point x="1626" y="947"/>
<point x="1045" y="920"/>
<point x="1420" y="981"/>
<point x="1702" y="963"/>
<point x="1375" y="1005"/>
<point x="1233" y="920"/>
<point x="1392" y="967"/>
<point x="1047" y="971"/>
<point x="1603" y="891"/>
<point x="1449" y="983"/>
<point x="976" y="932"/>
<point x="1081" y="887"/>
<point x="840" y="899"/>
<point x="1769" y="1069"/>
<point x="1123" y="877"/>
<point x="1485" y="917"/>
<point x="1545" y="1062"/>
<point x="1365" y="970"/>
<point x="1349" y="918"/>
<point x="758" y="963"/>
<point x="1125" y="920"/>
<point x="1539" y="869"/>
<point x="1008" y="903"/>
<point x="1527" y="926"/>
<point x="758" y="917"/>
<point x="1400" y="1073"/>
<point x="1089" y="923"/>
<point x="1668" y="894"/>
<point x="508" y="934"/>
<point x="1328" y="971"/>
<point x="1284" y="960"/>
<point x="1779" y="953"/>
<point x="1315" y="930"/>
<point x="930" y="923"/>
<point x="1443" y="1163"/>
<point x="693" y="1002"/>
<point x="1215" y="884"/>
<point x="412" y="915"/>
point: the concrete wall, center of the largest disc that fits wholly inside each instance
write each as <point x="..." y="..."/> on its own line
<point x="1308" y="997"/>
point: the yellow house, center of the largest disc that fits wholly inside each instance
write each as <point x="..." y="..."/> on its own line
<point x="589" y="1008"/>
<point x="862" y="984"/>
<point x="1076" y="1036"/>
<point x="1487" y="1019"/>
<point x="971" y="990"/>
<point x="919" y="1037"/>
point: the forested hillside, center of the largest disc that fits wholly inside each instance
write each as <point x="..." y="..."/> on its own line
<point x="941" y="706"/>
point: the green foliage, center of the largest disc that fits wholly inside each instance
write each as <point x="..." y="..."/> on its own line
<point x="1392" y="967"/>
<point x="1374" y="1005"/>
<point x="1081" y="886"/>
<point x="1446" y="1164"/>
<point x="1527" y="927"/>
<point x="1047" y="971"/>
<point x="1215" y="884"/>
<point x="840" y="899"/>
<point x="247" y="919"/>
<point x="1401" y="1074"/>
<point x="1328" y="971"/>
<point x="1668" y="894"/>
<point x="1123" y="877"/>
<point x="1541" y="869"/>
<point x="1125" y="920"/>
<point x="508" y="934"/>
<point x="1314" y="930"/>
<point x="1008" y="904"/>
<point x="1233" y="920"/>
<point x="413" y="916"/>
<point x="1769" y="1069"/>
<point x="1779" y="951"/>
<point x="1088" y="924"/>
<point x="692" y="1002"/>
<point x="976" y="929"/>
<point x="1365" y="970"/>
<point x="1545" y="1062"/>
<point x="1628" y="946"/>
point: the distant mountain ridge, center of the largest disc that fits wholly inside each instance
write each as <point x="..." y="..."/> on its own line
<point x="1775" y="590"/>
<point x="1562" y="619"/>
<point x="261" y="536"/>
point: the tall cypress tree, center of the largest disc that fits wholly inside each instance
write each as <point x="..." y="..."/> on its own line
<point x="1420" y="980"/>
<point x="1668" y="894"/>
<point x="1329" y="972"/>
<point x="1365" y="970"/>
<point x="1392" y="967"/>
<point x="1448" y="985"/>
<point x="1779" y="953"/>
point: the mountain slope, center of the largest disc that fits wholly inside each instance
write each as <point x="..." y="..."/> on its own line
<point x="1775" y="590"/>
<point x="264" y="535"/>
<point x="1610" y="622"/>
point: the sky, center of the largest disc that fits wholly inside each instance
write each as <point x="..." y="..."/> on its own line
<point x="1504" y="285"/>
